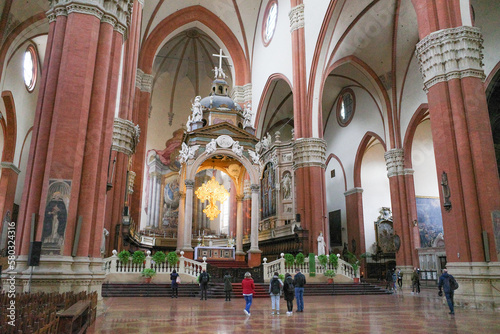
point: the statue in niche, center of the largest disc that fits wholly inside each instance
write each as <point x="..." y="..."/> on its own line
<point x="247" y="114"/>
<point x="287" y="186"/>
<point x="321" y="244"/>
<point x="105" y="233"/>
<point x="197" y="110"/>
<point x="55" y="221"/>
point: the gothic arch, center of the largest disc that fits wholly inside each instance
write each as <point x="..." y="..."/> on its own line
<point x="333" y="156"/>
<point x="11" y="127"/>
<point x="264" y="98"/>
<point x="211" y="21"/>
<point x="418" y="116"/>
<point x="363" y="145"/>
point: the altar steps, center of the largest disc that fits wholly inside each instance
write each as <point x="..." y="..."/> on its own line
<point x="216" y="290"/>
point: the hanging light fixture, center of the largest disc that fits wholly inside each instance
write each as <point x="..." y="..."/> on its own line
<point x="212" y="191"/>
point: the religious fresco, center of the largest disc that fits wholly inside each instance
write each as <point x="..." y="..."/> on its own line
<point x="430" y="221"/>
<point x="55" y="217"/>
<point x="170" y="203"/>
<point x="268" y="192"/>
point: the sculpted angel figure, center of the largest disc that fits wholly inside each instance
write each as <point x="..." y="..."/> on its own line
<point x="197" y="110"/>
<point x="247" y="114"/>
<point x="211" y="147"/>
<point x="255" y="157"/>
<point x="237" y="148"/>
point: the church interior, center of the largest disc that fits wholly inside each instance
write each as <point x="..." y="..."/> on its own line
<point x="230" y="136"/>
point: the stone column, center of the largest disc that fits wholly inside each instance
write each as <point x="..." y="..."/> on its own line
<point x="180" y="225"/>
<point x="309" y="165"/>
<point x="450" y="57"/>
<point x="254" y="254"/>
<point x="188" y="218"/>
<point x="395" y="172"/>
<point x="240" y="254"/>
<point x="354" y="215"/>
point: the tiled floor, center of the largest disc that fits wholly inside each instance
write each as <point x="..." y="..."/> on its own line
<point x="401" y="313"/>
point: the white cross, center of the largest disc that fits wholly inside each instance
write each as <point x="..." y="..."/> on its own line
<point x="220" y="58"/>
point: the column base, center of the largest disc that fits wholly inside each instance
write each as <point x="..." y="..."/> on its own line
<point x="407" y="272"/>
<point x="479" y="284"/>
<point x="254" y="258"/>
<point x="240" y="256"/>
<point x="56" y="274"/>
<point x="188" y="253"/>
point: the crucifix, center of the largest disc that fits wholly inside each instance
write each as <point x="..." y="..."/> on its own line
<point x="220" y="71"/>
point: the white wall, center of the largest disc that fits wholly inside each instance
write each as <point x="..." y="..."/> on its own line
<point x="424" y="162"/>
<point x="335" y="199"/>
<point x="376" y="191"/>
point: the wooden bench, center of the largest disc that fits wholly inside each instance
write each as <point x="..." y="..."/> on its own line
<point x="74" y="320"/>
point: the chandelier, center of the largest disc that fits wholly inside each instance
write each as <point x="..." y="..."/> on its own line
<point x="212" y="191"/>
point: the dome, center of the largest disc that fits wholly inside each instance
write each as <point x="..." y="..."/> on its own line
<point x="220" y="102"/>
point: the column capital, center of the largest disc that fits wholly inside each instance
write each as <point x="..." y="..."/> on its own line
<point x="125" y="136"/>
<point x="189" y="184"/>
<point x="353" y="191"/>
<point x="453" y="53"/>
<point x="240" y="198"/>
<point x="10" y="165"/>
<point x="296" y="16"/>
<point x="394" y="160"/>
<point x="309" y="152"/>
<point x="144" y="81"/>
<point x="254" y="188"/>
<point x="242" y="94"/>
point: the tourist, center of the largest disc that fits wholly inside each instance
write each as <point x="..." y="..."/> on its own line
<point x="388" y="280"/>
<point x="400" y="279"/>
<point x="415" y="281"/>
<point x="275" y="287"/>
<point x="175" y="286"/>
<point x="394" y="280"/>
<point x="228" y="287"/>
<point x="299" y="281"/>
<point x="203" y="279"/>
<point x="445" y="282"/>
<point x="289" y="292"/>
<point x="248" y="288"/>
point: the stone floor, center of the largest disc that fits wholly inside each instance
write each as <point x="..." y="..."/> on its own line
<point x="398" y="313"/>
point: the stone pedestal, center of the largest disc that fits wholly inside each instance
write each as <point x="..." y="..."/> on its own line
<point x="57" y="274"/>
<point x="188" y="253"/>
<point x="479" y="284"/>
<point x="254" y="258"/>
<point x="240" y="256"/>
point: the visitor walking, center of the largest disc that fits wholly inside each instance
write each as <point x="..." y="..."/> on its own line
<point x="448" y="283"/>
<point x="228" y="287"/>
<point x="299" y="281"/>
<point x="289" y="292"/>
<point x="203" y="279"/>
<point x="275" y="287"/>
<point x="248" y="288"/>
<point x="400" y="279"/>
<point x="174" y="285"/>
<point x="415" y="281"/>
<point x="394" y="280"/>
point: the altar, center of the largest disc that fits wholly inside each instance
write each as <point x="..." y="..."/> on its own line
<point x="214" y="253"/>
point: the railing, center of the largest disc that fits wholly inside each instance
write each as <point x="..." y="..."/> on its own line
<point x="281" y="268"/>
<point x="113" y="265"/>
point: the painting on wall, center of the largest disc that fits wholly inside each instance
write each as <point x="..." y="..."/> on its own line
<point x="55" y="217"/>
<point x="171" y="196"/>
<point x="430" y="221"/>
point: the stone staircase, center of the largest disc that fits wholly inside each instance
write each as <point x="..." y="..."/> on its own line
<point x="216" y="290"/>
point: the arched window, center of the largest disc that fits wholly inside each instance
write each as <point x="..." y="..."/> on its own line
<point x="269" y="23"/>
<point x="30" y="67"/>
<point x="345" y="107"/>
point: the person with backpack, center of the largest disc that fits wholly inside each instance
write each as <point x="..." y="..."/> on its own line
<point x="448" y="283"/>
<point x="174" y="277"/>
<point x="228" y="286"/>
<point x="248" y="287"/>
<point x="275" y="291"/>
<point x="203" y="279"/>
<point x="299" y="281"/>
<point x="415" y="281"/>
<point x="400" y="279"/>
<point x="289" y="292"/>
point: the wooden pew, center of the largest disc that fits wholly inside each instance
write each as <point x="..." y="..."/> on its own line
<point x="75" y="319"/>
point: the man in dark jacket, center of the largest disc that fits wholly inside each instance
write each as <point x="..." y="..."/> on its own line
<point x="299" y="281"/>
<point x="203" y="279"/>
<point x="444" y="283"/>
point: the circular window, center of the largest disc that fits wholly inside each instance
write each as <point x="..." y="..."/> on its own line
<point x="270" y="18"/>
<point x="345" y="107"/>
<point x="30" y="68"/>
